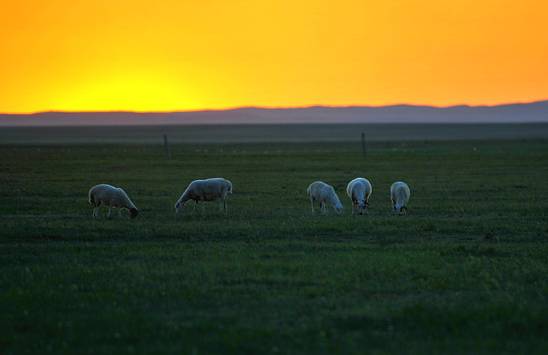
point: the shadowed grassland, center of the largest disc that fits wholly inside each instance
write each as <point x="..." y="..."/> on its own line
<point x="466" y="271"/>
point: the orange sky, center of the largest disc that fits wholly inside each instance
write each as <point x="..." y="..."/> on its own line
<point x="176" y="55"/>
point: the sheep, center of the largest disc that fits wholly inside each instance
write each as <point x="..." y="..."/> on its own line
<point x="324" y="193"/>
<point x="399" y="194"/>
<point x="359" y="190"/>
<point x="112" y="197"/>
<point x="205" y="190"/>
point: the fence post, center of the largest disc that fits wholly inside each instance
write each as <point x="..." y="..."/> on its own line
<point x="166" y="147"/>
<point x="364" y="148"/>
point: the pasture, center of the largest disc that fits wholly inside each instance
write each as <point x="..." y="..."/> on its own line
<point x="466" y="271"/>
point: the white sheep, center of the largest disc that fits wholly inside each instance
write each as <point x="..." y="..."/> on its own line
<point x="205" y="190"/>
<point x="111" y="197"/>
<point x="399" y="194"/>
<point x="359" y="190"/>
<point x="323" y="193"/>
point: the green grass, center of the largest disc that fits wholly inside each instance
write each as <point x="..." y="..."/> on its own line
<point x="466" y="271"/>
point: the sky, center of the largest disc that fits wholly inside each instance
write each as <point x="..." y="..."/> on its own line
<point x="166" y="55"/>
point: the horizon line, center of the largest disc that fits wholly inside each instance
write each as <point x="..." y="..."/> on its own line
<point x="235" y="108"/>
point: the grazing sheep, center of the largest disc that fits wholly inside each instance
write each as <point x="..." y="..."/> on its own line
<point x="323" y="193"/>
<point x="205" y="190"/>
<point x="359" y="191"/>
<point x="399" y="194"/>
<point x="112" y="197"/>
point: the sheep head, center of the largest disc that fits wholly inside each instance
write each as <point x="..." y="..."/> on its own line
<point x="133" y="212"/>
<point x="338" y="207"/>
<point x="362" y="206"/>
<point x="178" y="207"/>
<point x="400" y="209"/>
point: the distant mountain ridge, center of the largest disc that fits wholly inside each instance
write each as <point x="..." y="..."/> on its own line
<point x="506" y="113"/>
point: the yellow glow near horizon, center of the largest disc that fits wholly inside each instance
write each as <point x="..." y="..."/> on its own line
<point x="174" y="55"/>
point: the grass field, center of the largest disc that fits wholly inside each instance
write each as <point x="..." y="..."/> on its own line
<point x="466" y="271"/>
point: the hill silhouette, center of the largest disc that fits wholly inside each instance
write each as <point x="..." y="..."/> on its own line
<point x="508" y="113"/>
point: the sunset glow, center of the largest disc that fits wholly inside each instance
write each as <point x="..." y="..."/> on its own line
<point x="162" y="55"/>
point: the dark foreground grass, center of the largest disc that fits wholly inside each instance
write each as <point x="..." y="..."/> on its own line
<point x="465" y="272"/>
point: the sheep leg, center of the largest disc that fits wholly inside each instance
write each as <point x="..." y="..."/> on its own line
<point x="224" y="206"/>
<point x="109" y="214"/>
<point x="95" y="212"/>
<point x="323" y="208"/>
<point x="312" y="204"/>
<point x="119" y="212"/>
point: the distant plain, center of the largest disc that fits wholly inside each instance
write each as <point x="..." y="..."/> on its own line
<point x="277" y="133"/>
